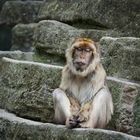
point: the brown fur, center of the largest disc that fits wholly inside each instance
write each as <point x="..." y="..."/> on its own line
<point x="90" y="101"/>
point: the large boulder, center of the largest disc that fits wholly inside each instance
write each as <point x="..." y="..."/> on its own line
<point x="13" y="127"/>
<point x="14" y="12"/>
<point x="96" y="14"/>
<point x="53" y="37"/>
<point x="26" y="89"/>
<point x="121" y="57"/>
<point x="22" y="37"/>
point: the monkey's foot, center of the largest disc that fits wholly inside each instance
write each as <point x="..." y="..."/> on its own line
<point x="73" y="122"/>
<point x="85" y="125"/>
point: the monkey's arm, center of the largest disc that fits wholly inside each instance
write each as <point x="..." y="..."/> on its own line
<point x="84" y="112"/>
<point x="75" y="106"/>
<point x="65" y="85"/>
<point x="65" y="79"/>
<point x="98" y="80"/>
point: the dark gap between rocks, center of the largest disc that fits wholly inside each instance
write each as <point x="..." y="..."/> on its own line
<point x="5" y="37"/>
<point x="86" y="24"/>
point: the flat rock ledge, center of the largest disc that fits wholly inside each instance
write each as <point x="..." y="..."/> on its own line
<point x="13" y="127"/>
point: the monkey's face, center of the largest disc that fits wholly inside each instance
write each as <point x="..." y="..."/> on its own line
<point x="82" y="57"/>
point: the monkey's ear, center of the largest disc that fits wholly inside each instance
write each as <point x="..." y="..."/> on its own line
<point x="97" y="45"/>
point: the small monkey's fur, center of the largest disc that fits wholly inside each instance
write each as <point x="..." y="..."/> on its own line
<point x="83" y="99"/>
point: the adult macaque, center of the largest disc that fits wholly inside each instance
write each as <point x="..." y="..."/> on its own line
<point x="83" y="99"/>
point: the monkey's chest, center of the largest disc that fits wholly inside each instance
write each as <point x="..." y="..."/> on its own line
<point x="81" y="91"/>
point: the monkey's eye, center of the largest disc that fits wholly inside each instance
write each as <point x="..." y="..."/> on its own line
<point x="79" y="49"/>
<point x="88" y="50"/>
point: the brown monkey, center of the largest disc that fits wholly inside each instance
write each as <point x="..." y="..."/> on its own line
<point x="83" y="99"/>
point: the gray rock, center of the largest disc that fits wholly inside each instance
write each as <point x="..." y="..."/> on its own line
<point x="22" y="37"/>
<point x="126" y="118"/>
<point x="26" y="89"/>
<point x="12" y="127"/>
<point x="3" y="1"/>
<point x="1" y="4"/>
<point x="16" y="55"/>
<point x="126" y="106"/>
<point x="14" y="12"/>
<point x="53" y="37"/>
<point x="121" y="15"/>
<point x="121" y="57"/>
<point x="32" y="56"/>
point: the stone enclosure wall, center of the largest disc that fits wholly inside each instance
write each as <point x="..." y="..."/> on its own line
<point x="33" y="38"/>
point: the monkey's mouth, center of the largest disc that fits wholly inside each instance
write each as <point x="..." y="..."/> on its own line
<point x="79" y="66"/>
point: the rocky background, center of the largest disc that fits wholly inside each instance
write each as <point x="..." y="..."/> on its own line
<point x="33" y="38"/>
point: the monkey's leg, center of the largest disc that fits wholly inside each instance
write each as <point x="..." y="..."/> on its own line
<point x="61" y="106"/>
<point x="101" y="110"/>
<point x="71" y="121"/>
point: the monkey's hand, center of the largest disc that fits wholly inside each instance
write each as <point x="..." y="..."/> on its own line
<point x="72" y="122"/>
<point x="80" y="118"/>
<point x="84" y="113"/>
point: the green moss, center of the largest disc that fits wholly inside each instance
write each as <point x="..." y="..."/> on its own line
<point x="115" y="89"/>
<point x="28" y="88"/>
<point x="49" y="59"/>
<point x="121" y="57"/>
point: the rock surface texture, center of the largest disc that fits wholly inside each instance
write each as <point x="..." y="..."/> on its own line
<point x="121" y="57"/>
<point x="26" y="89"/>
<point x="120" y="15"/>
<point x="54" y="37"/>
<point x="34" y="36"/>
<point x="14" y="12"/>
<point x="13" y="127"/>
<point x="22" y="37"/>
